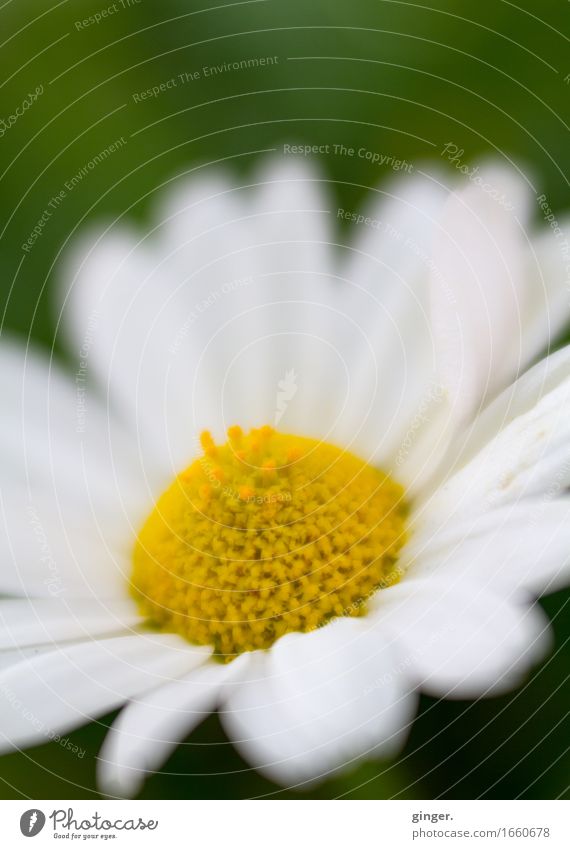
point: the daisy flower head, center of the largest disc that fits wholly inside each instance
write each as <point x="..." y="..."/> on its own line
<point x="298" y="474"/>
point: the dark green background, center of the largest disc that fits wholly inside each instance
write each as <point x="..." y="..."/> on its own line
<point x="406" y="78"/>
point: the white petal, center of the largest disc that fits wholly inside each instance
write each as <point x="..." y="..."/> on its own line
<point x="275" y="330"/>
<point x="390" y="368"/>
<point x="459" y="639"/>
<point x="14" y="656"/>
<point x="149" y="728"/>
<point x="193" y="330"/>
<point x="55" y="438"/>
<point x="63" y="550"/>
<point x="523" y="546"/>
<point x="392" y="253"/>
<point x="74" y="497"/>
<point x="202" y="234"/>
<point x="119" y="278"/>
<point x="517" y="400"/>
<point x="394" y="405"/>
<point x="25" y="622"/>
<point x="527" y="450"/>
<point x="55" y="692"/>
<point x="205" y="233"/>
<point x="317" y="702"/>
<point x="479" y="293"/>
<point x="548" y="305"/>
<point x="292" y="213"/>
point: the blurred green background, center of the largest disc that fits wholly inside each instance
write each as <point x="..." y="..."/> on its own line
<point x="401" y="78"/>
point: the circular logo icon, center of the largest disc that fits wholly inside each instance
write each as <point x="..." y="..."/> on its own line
<point x="32" y="822"/>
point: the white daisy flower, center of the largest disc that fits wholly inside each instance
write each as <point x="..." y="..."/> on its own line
<point x="288" y="479"/>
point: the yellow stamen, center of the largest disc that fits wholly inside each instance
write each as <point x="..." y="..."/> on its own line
<point x="282" y="536"/>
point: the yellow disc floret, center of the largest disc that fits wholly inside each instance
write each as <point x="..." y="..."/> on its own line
<point x="266" y="534"/>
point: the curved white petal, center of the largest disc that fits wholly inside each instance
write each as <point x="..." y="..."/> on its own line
<point x="525" y="438"/>
<point x="64" y="550"/>
<point x="204" y="247"/>
<point x="546" y="276"/>
<point x="27" y="622"/>
<point x="272" y="356"/>
<point x="459" y="639"/>
<point x="57" y="691"/>
<point x="291" y="207"/>
<point x="317" y="702"/>
<point x="516" y="400"/>
<point x="479" y="293"/>
<point x="385" y="336"/>
<point x="74" y="496"/>
<point x="117" y="276"/>
<point x="57" y="435"/>
<point x="523" y="546"/>
<point x="150" y="727"/>
<point x="10" y="657"/>
<point x="389" y="248"/>
<point x="201" y="320"/>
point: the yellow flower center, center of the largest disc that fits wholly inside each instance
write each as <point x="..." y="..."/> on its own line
<point x="266" y="534"/>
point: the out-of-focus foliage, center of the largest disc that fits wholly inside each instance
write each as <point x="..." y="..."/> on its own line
<point x="399" y="78"/>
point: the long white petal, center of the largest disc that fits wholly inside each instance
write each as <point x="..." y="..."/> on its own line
<point x="57" y="691"/>
<point x="74" y="494"/>
<point x="320" y="701"/>
<point x="459" y="639"/>
<point x="479" y="293"/>
<point x="57" y="436"/>
<point x="385" y="337"/>
<point x="525" y="451"/>
<point x="63" y="550"/>
<point x="27" y="622"/>
<point x="272" y="359"/>
<point x="150" y="727"/>
<point x="548" y="306"/>
<point x="524" y="546"/>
